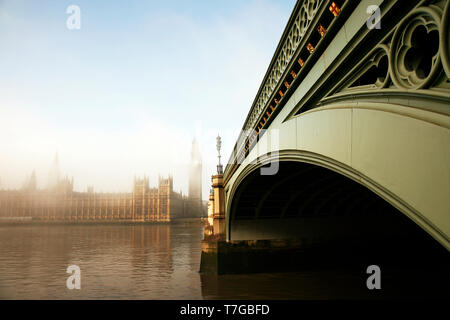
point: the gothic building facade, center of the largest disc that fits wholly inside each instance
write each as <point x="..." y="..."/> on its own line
<point x="59" y="202"/>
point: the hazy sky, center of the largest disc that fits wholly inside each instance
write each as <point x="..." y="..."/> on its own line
<point x="126" y="93"/>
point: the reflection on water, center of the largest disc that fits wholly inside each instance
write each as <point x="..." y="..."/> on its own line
<point x="126" y="261"/>
<point x="162" y="262"/>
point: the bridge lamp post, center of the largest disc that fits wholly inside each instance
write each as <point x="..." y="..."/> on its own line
<point x="218" y="145"/>
<point x="219" y="196"/>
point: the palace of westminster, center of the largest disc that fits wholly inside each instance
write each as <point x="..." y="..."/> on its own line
<point x="59" y="202"/>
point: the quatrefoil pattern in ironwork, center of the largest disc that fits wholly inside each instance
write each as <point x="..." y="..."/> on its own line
<point x="414" y="56"/>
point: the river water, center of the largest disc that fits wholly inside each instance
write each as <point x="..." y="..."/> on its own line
<point x="143" y="262"/>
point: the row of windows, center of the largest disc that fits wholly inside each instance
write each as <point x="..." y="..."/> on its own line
<point x="79" y="199"/>
<point x="85" y="210"/>
<point x="67" y="212"/>
<point x="122" y="204"/>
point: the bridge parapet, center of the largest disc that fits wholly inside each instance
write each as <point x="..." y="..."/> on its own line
<point x="310" y="21"/>
<point x="328" y="55"/>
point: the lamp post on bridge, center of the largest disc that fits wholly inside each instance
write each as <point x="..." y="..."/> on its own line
<point x="218" y="145"/>
<point x="219" y="196"/>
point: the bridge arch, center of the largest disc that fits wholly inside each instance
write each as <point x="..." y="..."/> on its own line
<point x="350" y="103"/>
<point x="317" y="199"/>
<point x="358" y="141"/>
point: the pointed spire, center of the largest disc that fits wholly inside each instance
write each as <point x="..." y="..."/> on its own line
<point x="56" y="161"/>
<point x="33" y="182"/>
<point x="195" y="152"/>
<point x="53" y="178"/>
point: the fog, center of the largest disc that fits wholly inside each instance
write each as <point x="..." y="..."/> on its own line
<point x="127" y="93"/>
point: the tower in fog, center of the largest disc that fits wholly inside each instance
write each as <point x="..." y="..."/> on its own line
<point x="54" y="174"/>
<point x="195" y="182"/>
<point x="31" y="183"/>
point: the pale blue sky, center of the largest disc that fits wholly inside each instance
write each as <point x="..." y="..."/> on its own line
<point x="127" y="92"/>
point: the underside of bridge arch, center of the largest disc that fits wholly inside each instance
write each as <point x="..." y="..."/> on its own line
<point x="318" y="206"/>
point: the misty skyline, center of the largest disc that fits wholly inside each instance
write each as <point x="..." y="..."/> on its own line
<point x="127" y="93"/>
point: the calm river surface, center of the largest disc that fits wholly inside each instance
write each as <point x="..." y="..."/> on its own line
<point x="142" y="262"/>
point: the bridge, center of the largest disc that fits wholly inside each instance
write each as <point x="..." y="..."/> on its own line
<point x="348" y="137"/>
